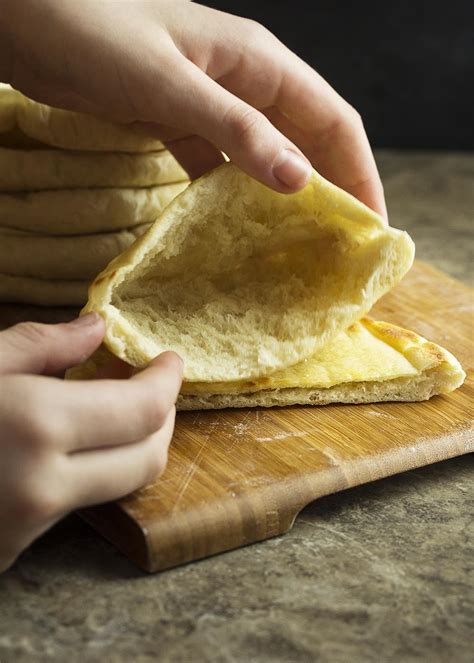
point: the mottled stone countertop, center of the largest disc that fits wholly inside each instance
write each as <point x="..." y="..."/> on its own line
<point x="383" y="572"/>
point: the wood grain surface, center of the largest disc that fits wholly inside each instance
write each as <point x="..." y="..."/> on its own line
<point x="239" y="476"/>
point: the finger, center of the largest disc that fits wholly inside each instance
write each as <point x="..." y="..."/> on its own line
<point x="196" y="155"/>
<point x="269" y="74"/>
<point x="339" y="148"/>
<point x="108" y="474"/>
<point x="115" y="369"/>
<point x="233" y="126"/>
<point x="102" y="413"/>
<point x="320" y="151"/>
<point x="47" y="349"/>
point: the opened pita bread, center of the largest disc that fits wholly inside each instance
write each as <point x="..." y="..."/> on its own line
<point x="43" y="292"/>
<point x="242" y="281"/>
<point x="84" y="211"/>
<point x="26" y="170"/>
<point x="77" y="131"/>
<point x="58" y="257"/>
<point x="368" y="363"/>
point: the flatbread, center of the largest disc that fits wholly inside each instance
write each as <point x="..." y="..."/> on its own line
<point x="26" y="170"/>
<point x="77" y="131"/>
<point x="242" y="281"/>
<point x="370" y="362"/>
<point x="8" y="106"/>
<point x="84" y="211"/>
<point x="57" y="257"/>
<point x="42" y="292"/>
<point x="10" y="134"/>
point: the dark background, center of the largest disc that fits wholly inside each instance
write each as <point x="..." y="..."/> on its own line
<point x="406" y="66"/>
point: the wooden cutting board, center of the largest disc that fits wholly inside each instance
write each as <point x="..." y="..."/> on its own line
<point x="239" y="476"/>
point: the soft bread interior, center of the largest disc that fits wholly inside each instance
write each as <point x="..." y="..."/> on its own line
<point x="242" y="281"/>
<point x="372" y="361"/>
<point x="354" y="355"/>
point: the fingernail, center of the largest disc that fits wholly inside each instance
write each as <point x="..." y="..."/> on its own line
<point x="291" y="169"/>
<point x="181" y="360"/>
<point x="87" y="320"/>
<point x="170" y="352"/>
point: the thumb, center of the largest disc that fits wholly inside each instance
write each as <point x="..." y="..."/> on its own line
<point x="245" y="134"/>
<point x="30" y="347"/>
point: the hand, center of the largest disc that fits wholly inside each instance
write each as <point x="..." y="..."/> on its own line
<point x="200" y="79"/>
<point x="65" y="445"/>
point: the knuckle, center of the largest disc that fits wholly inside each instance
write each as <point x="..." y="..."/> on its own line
<point x="256" y="31"/>
<point x="156" y="465"/>
<point x="157" y="411"/>
<point x="243" y="124"/>
<point x="354" y="118"/>
<point x="37" y="504"/>
<point x="36" y="431"/>
<point x="346" y="119"/>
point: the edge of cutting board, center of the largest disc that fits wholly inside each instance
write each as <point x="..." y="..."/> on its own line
<point x="240" y="476"/>
<point x="266" y="512"/>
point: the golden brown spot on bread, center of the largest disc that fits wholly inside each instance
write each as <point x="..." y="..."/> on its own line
<point x="397" y="332"/>
<point x="435" y="351"/>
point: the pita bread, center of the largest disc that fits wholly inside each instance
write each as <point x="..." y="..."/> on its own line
<point x="14" y="139"/>
<point x="8" y="105"/>
<point x="10" y="134"/>
<point x="370" y="362"/>
<point x="53" y="257"/>
<point x="84" y="211"/>
<point x="22" y="170"/>
<point x="242" y="281"/>
<point x="77" y="131"/>
<point x="42" y="292"/>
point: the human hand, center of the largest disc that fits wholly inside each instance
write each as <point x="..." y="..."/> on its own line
<point x="199" y="79"/>
<point x="65" y="445"/>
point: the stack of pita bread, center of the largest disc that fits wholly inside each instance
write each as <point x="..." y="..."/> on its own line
<point x="75" y="191"/>
<point x="265" y="297"/>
